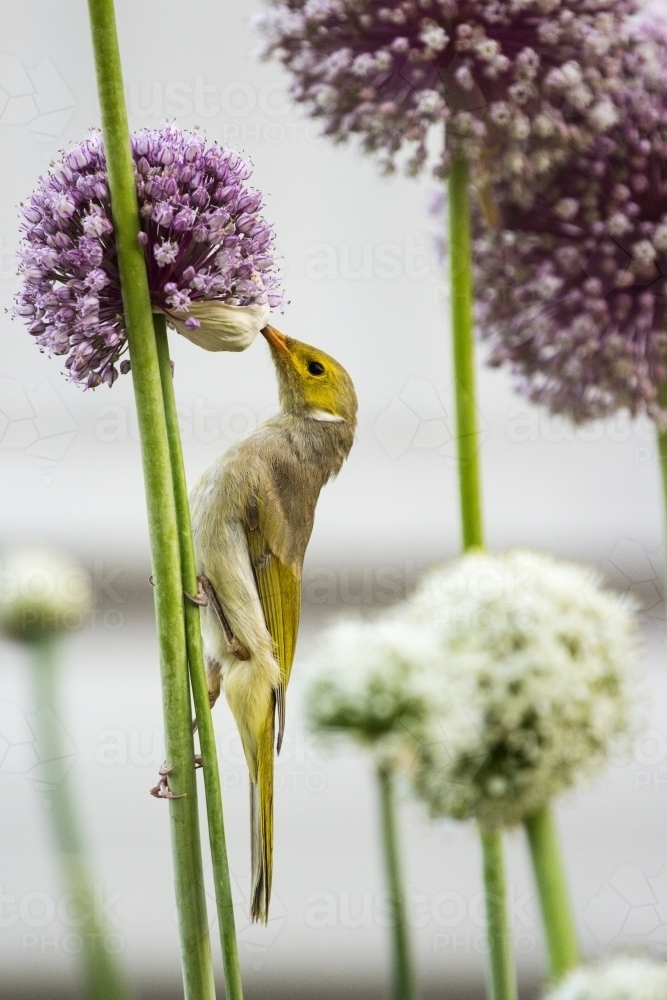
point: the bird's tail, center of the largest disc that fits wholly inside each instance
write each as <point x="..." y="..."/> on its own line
<point x="261" y="823"/>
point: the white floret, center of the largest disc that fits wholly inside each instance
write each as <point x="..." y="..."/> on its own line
<point x="536" y="677"/>
<point x="375" y="681"/>
<point x="627" y="978"/>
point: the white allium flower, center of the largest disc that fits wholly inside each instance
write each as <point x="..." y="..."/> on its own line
<point x="536" y="682"/>
<point x="42" y="593"/>
<point x="374" y="681"/>
<point x="625" y="978"/>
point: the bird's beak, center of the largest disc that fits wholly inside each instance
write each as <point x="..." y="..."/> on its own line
<point x="277" y="339"/>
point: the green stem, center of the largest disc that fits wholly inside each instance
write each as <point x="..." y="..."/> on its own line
<point x="662" y="453"/>
<point x="102" y="974"/>
<point x="552" y="890"/>
<point x="502" y="974"/>
<point x="216" y="826"/>
<point x="503" y="977"/>
<point x="460" y="258"/>
<point x="163" y="529"/>
<point x="403" y="985"/>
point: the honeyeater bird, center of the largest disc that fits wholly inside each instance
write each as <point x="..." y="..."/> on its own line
<point x="252" y="517"/>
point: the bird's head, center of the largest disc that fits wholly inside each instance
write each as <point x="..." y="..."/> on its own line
<point x="310" y="382"/>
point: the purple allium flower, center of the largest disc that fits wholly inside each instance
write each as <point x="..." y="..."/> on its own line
<point x="518" y="82"/>
<point x="208" y="249"/>
<point x="572" y="287"/>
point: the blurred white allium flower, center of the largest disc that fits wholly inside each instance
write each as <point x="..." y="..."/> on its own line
<point x="627" y="978"/>
<point x="42" y="593"/>
<point x="374" y="681"/>
<point x="536" y="682"/>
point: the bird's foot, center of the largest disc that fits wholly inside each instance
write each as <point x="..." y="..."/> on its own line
<point x="200" y="598"/>
<point x="198" y="761"/>
<point x="162" y="790"/>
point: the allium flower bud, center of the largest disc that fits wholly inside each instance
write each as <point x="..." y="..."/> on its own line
<point x="515" y="82"/>
<point x="572" y="286"/>
<point x="626" y="978"/>
<point x="42" y="593"/>
<point x="373" y="681"/>
<point x="535" y="683"/>
<point x="209" y="252"/>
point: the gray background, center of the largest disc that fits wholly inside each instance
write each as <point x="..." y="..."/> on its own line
<point x="362" y="283"/>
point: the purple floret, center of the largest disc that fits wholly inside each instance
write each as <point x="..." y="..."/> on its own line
<point x="572" y="288"/>
<point x="201" y="227"/>
<point x="519" y="83"/>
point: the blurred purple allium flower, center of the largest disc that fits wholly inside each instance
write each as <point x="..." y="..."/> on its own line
<point x="572" y="288"/>
<point x="519" y="82"/>
<point x="207" y="249"/>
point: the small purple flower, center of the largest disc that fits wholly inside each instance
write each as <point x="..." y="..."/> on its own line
<point x="573" y="285"/>
<point x="208" y="251"/>
<point x="519" y="82"/>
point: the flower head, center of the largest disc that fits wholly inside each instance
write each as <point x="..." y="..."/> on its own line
<point x="573" y="286"/>
<point x="374" y="682"/>
<point x="208" y="251"/>
<point x="535" y="678"/>
<point x="43" y="593"/>
<point x="518" y="83"/>
<point x="627" y="978"/>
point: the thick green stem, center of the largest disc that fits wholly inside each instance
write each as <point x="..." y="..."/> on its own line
<point x="102" y="974"/>
<point x="403" y="984"/>
<point x="559" y="926"/>
<point x="502" y="974"/>
<point x="460" y="262"/>
<point x="163" y="529"/>
<point x="216" y="826"/>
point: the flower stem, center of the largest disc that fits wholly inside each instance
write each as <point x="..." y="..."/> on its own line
<point x="163" y="528"/>
<point x="503" y="976"/>
<point x="216" y="825"/>
<point x="403" y="985"/>
<point x="662" y="454"/>
<point x="102" y="974"/>
<point x="460" y="262"/>
<point x="552" y="890"/>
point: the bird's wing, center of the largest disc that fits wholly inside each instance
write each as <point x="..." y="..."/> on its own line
<point x="277" y="539"/>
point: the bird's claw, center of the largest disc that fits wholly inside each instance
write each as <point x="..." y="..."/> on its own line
<point x="200" y="598"/>
<point x="198" y="761"/>
<point x="162" y="790"/>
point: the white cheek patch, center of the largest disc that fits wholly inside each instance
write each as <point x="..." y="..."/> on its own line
<point x="324" y="416"/>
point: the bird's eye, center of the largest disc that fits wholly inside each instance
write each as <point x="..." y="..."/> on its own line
<point x="315" y="368"/>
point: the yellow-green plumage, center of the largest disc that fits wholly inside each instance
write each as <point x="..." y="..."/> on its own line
<point x="252" y="516"/>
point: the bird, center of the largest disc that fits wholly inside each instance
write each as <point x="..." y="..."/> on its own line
<point x="252" y="517"/>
